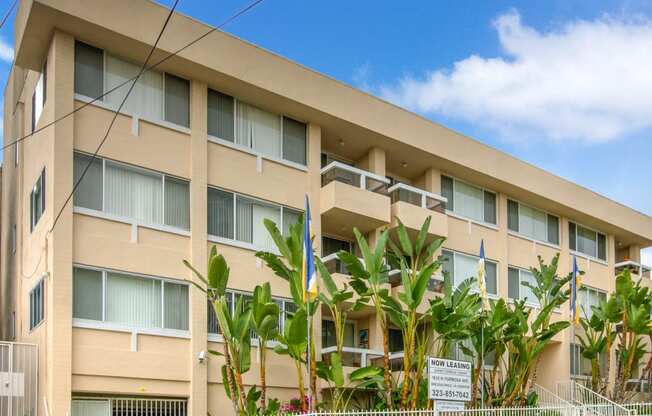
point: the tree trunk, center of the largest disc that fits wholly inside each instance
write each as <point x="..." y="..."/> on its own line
<point x="229" y="378"/>
<point x="386" y="364"/>
<point x="263" y="383"/>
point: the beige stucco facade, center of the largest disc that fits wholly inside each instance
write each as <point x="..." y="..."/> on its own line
<point x="376" y="137"/>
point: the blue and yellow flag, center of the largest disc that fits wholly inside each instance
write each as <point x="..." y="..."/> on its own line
<point x="482" y="284"/>
<point x="576" y="283"/>
<point x="308" y="269"/>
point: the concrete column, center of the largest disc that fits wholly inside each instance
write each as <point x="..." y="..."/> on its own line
<point x="432" y="180"/>
<point x="59" y="176"/>
<point x="503" y="244"/>
<point x="373" y="161"/>
<point x="198" y="402"/>
<point x="565" y="267"/>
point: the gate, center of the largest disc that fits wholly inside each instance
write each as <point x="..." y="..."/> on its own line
<point x="18" y="379"/>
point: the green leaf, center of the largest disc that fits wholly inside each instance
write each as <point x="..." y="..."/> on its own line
<point x="404" y="239"/>
<point x="365" y="373"/>
<point x="218" y="274"/>
<point x="337" y="370"/>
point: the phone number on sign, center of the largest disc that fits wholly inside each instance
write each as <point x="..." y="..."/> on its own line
<point x="449" y="394"/>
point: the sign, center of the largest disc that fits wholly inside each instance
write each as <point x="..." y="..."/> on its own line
<point x="446" y="406"/>
<point x="449" y="380"/>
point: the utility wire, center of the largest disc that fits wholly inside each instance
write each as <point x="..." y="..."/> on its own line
<point x="11" y="8"/>
<point x="115" y="116"/>
<point x="87" y="103"/>
<point x="134" y="79"/>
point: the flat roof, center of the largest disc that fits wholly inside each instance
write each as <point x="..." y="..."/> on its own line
<point x="237" y="67"/>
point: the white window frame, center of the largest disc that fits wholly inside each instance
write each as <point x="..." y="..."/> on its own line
<point x="100" y="102"/>
<point x="32" y="211"/>
<point x="249" y="148"/>
<point x="112" y="326"/>
<point x="454" y="214"/>
<point x="243" y="244"/>
<point x="584" y="312"/>
<point x="589" y="256"/>
<point x="14" y="238"/>
<point x="40" y="285"/>
<point x="218" y="337"/>
<point x="527" y="237"/>
<point x="521" y="270"/>
<point x="477" y="259"/>
<point x="113" y="217"/>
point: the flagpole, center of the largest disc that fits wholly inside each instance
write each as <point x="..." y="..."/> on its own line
<point x="309" y="361"/>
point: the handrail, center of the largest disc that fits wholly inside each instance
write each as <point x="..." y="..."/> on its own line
<point x="591" y="401"/>
<point x="640" y="266"/>
<point x="548" y="398"/>
<point x="363" y="352"/>
<point x="416" y="190"/>
<point x="364" y="175"/>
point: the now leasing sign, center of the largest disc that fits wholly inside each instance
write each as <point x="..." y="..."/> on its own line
<point x="449" y="380"/>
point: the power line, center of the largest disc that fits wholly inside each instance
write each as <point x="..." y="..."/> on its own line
<point x="87" y="103"/>
<point x="115" y="115"/>
<point x="11" y="8"/>
<point x="135" y="79"/>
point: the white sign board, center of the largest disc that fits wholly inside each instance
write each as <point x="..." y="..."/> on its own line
<point x="449" y="379"/>
<point x="445" y="406"/>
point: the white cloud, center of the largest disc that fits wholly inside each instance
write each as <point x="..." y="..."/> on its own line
<point x="646" y="256"/>
<point x="6" y="51"/>
<point x="586" y="80"/>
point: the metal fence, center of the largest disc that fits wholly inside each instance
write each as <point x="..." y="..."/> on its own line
<point x="497" y="411"/>
<point x="128" y="406"/>
<point x="590" y="402"/>
<point x="18" y="379"/>
<point x="640" y="409"/>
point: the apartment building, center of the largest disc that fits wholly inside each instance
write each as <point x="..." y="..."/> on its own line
<point x="208" y="144"/>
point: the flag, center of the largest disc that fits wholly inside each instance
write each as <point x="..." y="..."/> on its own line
<point x="308" y="268"/>
<point x="576" y="283"/>
<point x="482" y="286"/>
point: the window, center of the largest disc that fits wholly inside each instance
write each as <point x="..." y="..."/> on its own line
<point x="128" y="406"/>
<point x="590" y="297"/>
<point x="156" y="95"/>
<point x="468" y="200"/>
<point x="129" y="300"/>
<point x="37" y="200"/>
<point x="515" y="287"/>
<point x="457" y="353"/>
<point x="328" y="338"/>
<point x="463" y="266"/>
<point x="240" y="218"/>
<point x="286" y="307"/>
<point x="13" y="239"/>
<point x="269" y="134"/>
<point x="587" y="241"/>
<point x="132" y="193"/>
<point x="39" y="96"/>
<point x="330" y="246"/>
<point x="532" y="222"/>
<point x="395" y="339"/>
<point x="37" y="304"/>
<point x="581" y="366"/>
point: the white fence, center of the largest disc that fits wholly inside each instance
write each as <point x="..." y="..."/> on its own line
<point x="590" y="402"/>
<point x="498" y="411"/>
<point x="128" y="406"/>
<point x="18" y="379"/>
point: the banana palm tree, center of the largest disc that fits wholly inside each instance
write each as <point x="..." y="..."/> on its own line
<point x="264" y="323"/>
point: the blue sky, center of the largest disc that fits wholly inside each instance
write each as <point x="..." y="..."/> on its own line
<point x="562" y="84"/>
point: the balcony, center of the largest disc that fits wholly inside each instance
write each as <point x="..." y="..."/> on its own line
<point x="352" y="197"/>
<point x="413" y="205"/>
<point x="638" y="269"/>
<point x="353" y="357"/>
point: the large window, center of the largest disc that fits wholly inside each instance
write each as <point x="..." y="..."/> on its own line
<point x="37" y="304"/>
<point x="266" y="133"/>
<point x="129" y="300"/>
<point x="240" y="218"/>
<point x="515" y="287"/>
<point x="39" y="96"/>
<point x="37" y="201"/>
<point x="532" y="222"/>
<point x="156" y="95"/>
<point x="460" y="267"/>
<point x="581" y="366"/>
<point x="590" y="297"/>
<point x="132" y="193"/>
<point x="287" y="308"/>
<point x="469" y="201"/>
<point x="587" y="241"/>
<point x="328" y="337"/>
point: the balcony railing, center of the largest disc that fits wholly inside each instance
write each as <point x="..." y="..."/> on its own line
<point x="415" y="196"/>
<point x="634" y="267"/>
<point x="350" y="175"/>
<point x="352" y="357"/>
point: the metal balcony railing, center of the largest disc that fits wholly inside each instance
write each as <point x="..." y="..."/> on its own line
<point x="352" y="357"/>
<point x="415" y="196"/>
<point x="350" y="175"/>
